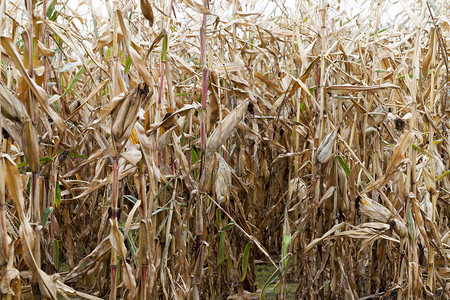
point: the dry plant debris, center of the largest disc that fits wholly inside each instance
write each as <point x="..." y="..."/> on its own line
<point x="160" y="149"/>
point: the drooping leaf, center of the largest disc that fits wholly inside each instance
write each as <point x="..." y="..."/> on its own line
<point x="57" y="195"/>
<point x="45" y="215"/>
<point x="344" y="165"/>
<point x="269" y="281"/>
<point x="245" y="260"/>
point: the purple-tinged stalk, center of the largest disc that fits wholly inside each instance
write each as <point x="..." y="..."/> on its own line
<point x="165" y="48"/>
<point x="321" y="131"/>
<point x="199" y="205"/>
<point x="4" y="242"/>
<point x="31" y="150"/>
<point x="205" y="76"/>
<point x="142" y="232"/>
<point x="114" y="210"/>
<point x="124" y="117"/>
<point x="44" y="16"/>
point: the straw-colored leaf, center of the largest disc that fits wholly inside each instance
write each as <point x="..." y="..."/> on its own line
<point x="135" y="57"/>
<point x="325" y="150"/>
<point x="348" y="88"/>
<point x="147" y="11"/>
<point x="374" y="209"/>
<point x="12" y="108"/>
<point x="117" y="242"/>
<point x="200" y="8"/>
<point x="225" y="129"/>
<point x="41" y="95"/>
<point x="400" y="149"/>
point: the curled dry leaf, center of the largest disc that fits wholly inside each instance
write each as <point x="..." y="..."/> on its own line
<point x="117" y="242"/>
<point x="297" y="189"/>
<point x="225" y="129"/>
<point x="148" y="151"/>
<point x="44" y="50"/>
<point x="403" y="144"/>
<point x="348" y="88"/>
<point x="48" y="285"/>
<point x="399" y="227"/>
<point x="316" y="241"/>
<point x="133" y="156"/>
<point x="430" y="182"/>
<point x="7" y="275"/>
<point x="125" y="114"/>
<point x="223" y="180"/>
<point x="30" y="145"/>
<point x="374" y="209"/>
<point x="378" y="115"/>
<point x="200" y="8"/>
<point x="12" y="108"/>
<point x="147" y="11"/>
<point x="41" y="95"/>
<point x="137" y="60"/>
<point x="343" y="202"/>
<point x="325" y="150"/>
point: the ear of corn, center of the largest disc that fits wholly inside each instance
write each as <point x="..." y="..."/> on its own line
<point x="224" y="149"/>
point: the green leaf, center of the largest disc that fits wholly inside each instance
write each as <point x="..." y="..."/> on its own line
<point x="79" y="155"/>
<point x="131" y="198"/>
<point x="50" y="9"/>
<point x="73" y="81"/>
<point x="420" y="150"/>
<point x="45" y="215"/>
<point x="131" y="243"/>
<point x="269" y="281"/>
<point x="57" y="195"/>
<point x="165" y="47"/>
<point x="160" y="210"/>
<point x="108" y="53"/>
<point x="163" y="189"/>
<point x="245" y="260"/>
<point x="69" y="66"/>
<point x="54" y="16"/>
<point x="302" y="106"/>
<point x="227" y="227"/>
<point x="194" y="157"/>
<point x="44" y="159"/>
<point x="310" y="67"/>
<point x="380" y="31"/>
<point x="56" y="254"/>
<point x="22" y="164"/>
<point x="127" y="64"/>
<point x="285" y="244"/>
<point x="194" y="154"/>
<point x="443" y="175"/>
<point x="221" y="248"/>
<point x="344" y="165"/>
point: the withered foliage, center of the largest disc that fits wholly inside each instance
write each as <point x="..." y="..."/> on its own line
<point x="161" y="149"/>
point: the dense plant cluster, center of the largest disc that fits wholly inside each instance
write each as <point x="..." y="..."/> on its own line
<point x="164" y="149"/>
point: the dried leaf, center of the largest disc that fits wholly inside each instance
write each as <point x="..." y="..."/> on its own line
<point x="374" y="209"/>
<point x="41" y="95"/>
<point x="225" y="128"/>
<point x="117" y="242"/>
<point x="12" y="108"/>
<point x="325" y="150"/>
<point x="396" y="160"/>
<point x="147" y="11"/>
<point x="200" y="8"/>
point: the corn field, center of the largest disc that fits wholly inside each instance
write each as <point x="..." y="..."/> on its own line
<point x="162" y="149"/>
